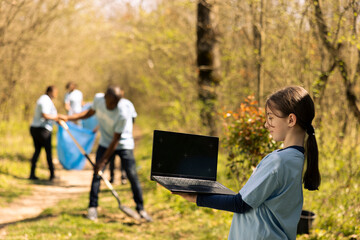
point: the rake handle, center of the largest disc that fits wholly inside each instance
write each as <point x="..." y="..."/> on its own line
<point x="128" y="211"/>
<point x="100" y="173"/>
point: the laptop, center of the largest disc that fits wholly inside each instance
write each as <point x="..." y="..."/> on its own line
<point x="184" y="162"/>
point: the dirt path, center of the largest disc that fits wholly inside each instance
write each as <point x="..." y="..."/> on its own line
<point x="45" y="194"/>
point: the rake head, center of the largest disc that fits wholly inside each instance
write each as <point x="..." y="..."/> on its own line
<point x="130" y="212"/>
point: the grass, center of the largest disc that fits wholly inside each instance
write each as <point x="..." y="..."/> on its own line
<point x="174" y="217"/>
<point x="336" y="205"/>
<point x="14" y="155"/>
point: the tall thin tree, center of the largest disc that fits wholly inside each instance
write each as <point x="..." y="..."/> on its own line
<point x="208" y="61"/>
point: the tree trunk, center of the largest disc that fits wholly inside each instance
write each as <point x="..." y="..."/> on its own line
<point x="208" y="62"/>
<point x="257" y="43"/>
<point x="334" y="51"/>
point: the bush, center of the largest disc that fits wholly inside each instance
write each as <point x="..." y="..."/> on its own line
<point x="246" y="138"/>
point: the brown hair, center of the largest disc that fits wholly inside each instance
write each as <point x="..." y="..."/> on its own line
<point x="296" y="100"/>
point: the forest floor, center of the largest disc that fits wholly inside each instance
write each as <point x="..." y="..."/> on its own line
<point x="45" y="194"/>
<point x="68" y="184"/>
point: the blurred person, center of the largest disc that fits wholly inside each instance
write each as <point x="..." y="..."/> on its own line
<point x="127" y="106"/>
<point x="73" y="100"/>
<point x="115" y="126"/>
<point x="112" y="167"/>
<point x="41" y="129"/>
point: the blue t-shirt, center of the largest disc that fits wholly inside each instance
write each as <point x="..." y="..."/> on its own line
<point x="44" y="105"/>
<point x="274" y="191"/>
<point x="118" y="120"/>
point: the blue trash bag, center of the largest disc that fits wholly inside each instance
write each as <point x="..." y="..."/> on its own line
<point x="68" y="153"/>
<point x="91" y="122"/>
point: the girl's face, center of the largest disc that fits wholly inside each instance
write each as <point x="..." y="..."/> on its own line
<point x="277" y="126"/>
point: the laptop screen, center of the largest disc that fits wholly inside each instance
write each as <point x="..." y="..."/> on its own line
<point x="184" y="155"/>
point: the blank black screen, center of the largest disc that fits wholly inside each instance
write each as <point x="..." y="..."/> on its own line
<point x="184" y="155"/>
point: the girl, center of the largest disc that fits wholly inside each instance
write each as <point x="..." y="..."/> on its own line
<point x="270" y="203"/>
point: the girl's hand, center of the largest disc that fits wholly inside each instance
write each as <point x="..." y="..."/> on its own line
<point x="191" y="197"/>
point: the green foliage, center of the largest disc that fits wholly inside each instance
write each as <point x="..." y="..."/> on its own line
<point x="246" y="139"/>
<point x="16" y="140"/>
<point x="336" y="204"/>
<point x="151" y="53"/>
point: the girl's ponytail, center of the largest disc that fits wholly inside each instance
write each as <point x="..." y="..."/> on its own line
<point x="312" y="177"/>
<point x="295" y="99"/>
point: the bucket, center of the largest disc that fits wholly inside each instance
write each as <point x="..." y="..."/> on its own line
<point x="305" y="223"/>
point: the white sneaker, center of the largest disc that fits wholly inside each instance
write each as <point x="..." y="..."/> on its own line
<point x="92" y="213"/>
<point x="145" y="215"/>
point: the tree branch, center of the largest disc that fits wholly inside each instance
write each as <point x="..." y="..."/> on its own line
<point x="335" y="53"/>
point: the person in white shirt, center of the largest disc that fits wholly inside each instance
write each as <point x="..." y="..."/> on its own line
<point x="115" y="125"/>
<point x="127" y="106"/>
<point x="73" y="100"/>
<point x="41" y="129"/>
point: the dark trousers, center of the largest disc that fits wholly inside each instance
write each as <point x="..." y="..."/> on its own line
<point x="112" y="169"/>
<point x="128" y="163"/>
<point x="42" y="138"/>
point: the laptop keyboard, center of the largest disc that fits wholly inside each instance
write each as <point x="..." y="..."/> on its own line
<point x="174" y="181"/>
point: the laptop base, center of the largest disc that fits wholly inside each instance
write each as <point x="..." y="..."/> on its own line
<point x="188" y="185"/>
